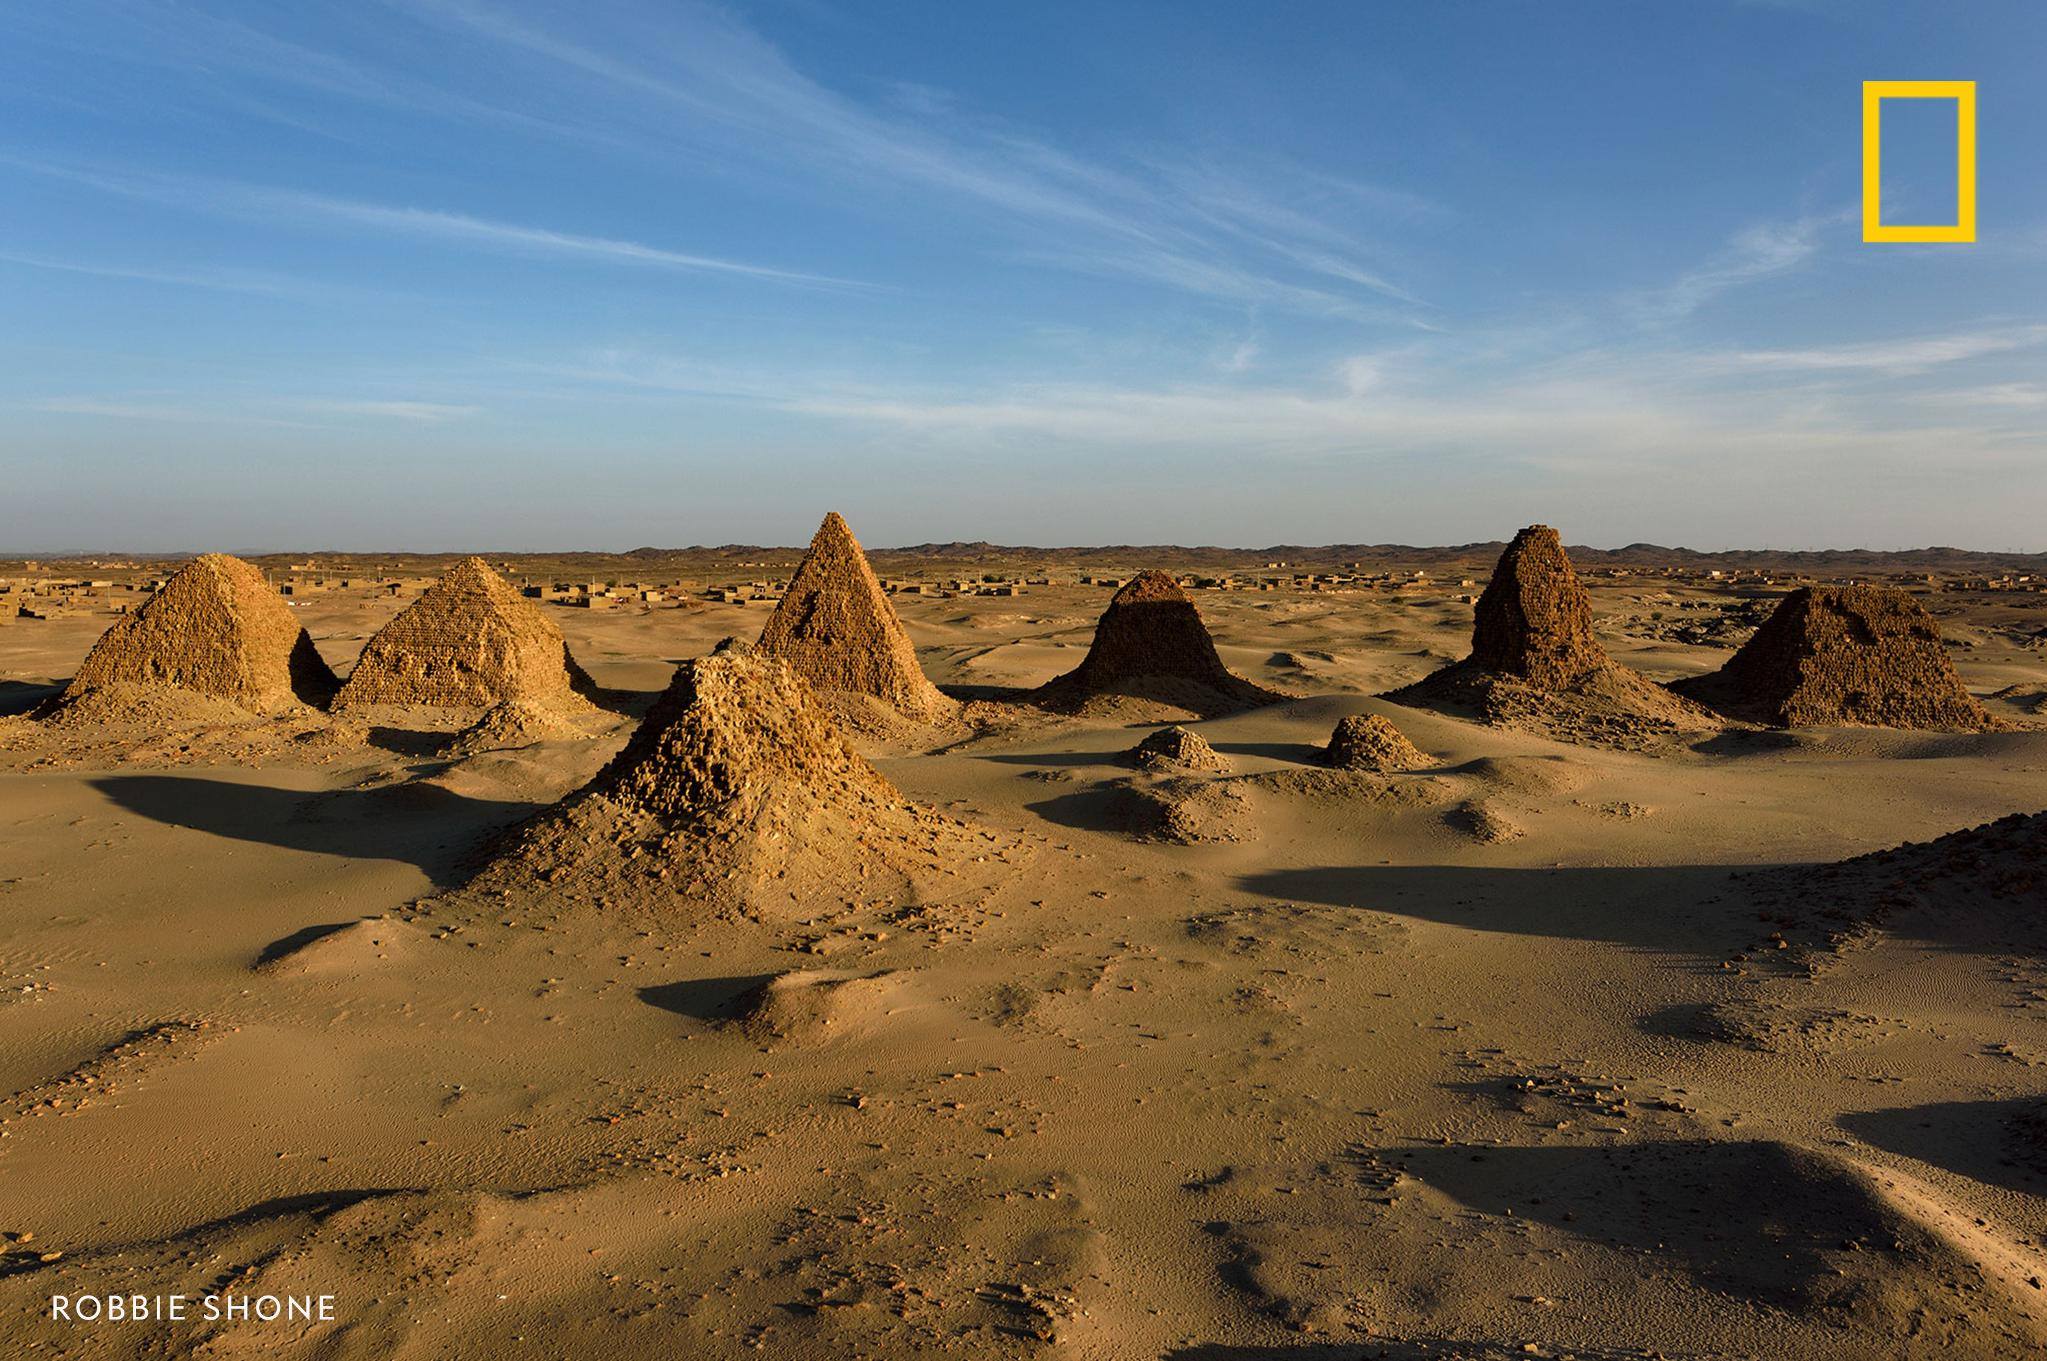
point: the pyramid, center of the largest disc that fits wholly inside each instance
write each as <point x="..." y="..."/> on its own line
<point x="1834" y="655"/>
<point x="470" y="642"/>
<point x="216" y="628"/>
<point x="737" y="779"/>
<point x="1535" y="663"/>
<point x="837" y="630"/>
<point x="1534" y="619"/>
<point x="1151" y="644"/>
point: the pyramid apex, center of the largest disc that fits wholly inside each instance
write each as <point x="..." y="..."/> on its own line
<point x="1150" y="584"/>
<point x="836" y="627"/>
<point x="833" y="529"/>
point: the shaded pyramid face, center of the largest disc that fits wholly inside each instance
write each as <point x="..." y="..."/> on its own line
<point x="470" y="642"/>
<point x="1151" y="643"/>
<point x="1861" y="655"/>
<point x="215" y="628"/>
<point x="836" y="628"/>
<point x="1534" y="620"/>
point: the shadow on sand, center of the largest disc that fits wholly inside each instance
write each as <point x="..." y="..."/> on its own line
<point x="1693" y="909"/>
<point x="1392" y="1349"/>
<point x="19" y="697"/>
<point x="703" y="999"/>
<point x="1980" y="1140"/>
<point x="418" y="824"/>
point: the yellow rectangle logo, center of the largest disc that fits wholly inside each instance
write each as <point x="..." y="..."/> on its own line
<point x="1874" y="93"/>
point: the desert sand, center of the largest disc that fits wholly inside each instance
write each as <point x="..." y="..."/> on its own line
<point x="1350" y="987"/>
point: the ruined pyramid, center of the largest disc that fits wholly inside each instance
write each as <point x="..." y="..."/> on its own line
<point x="1369" y="742"/>
<point x="1534" y="620"/>
<point x="736" y="785"/>
<point x="1535" y="663"/>
<point x="1835" y="655"/>
<point x="837" y="630"/>
<point x="1151" y="644"/>
<point x="216" y="628"/>
<point x="470" y="641"/>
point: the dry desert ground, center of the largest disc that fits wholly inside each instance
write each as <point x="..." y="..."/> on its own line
<point x="907" y="1020"/>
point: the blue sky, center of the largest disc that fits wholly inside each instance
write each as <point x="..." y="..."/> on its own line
<point x="477" y="273"/>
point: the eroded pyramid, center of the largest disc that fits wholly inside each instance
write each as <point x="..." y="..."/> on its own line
<point x="471" y="641"/>
<point x="1151" y="644"/>
<point x="215" y="628"/>
<point x="1535" y="663"/>
<point x="1533" y="619"/>
<point x="737" y="779"/>
<point x="1830" y="655"/>
<point x="837" y="630"/>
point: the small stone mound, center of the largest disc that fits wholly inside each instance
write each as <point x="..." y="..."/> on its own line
<point x="347" y="948"/>
<point x="1175" y="749"/>
<point x="837" y="630"/>
<point x="1865" y="656"/>
<point x="1778" y="1028"/>
<point x="1369" y="742"/>
<point x="737" y="778"/>
<point x="215" y="628"/>
<point x="514" y="723"/>
<point x="1190" y="811"/>
<point x="1151" y="644"/>
<point x="1483" y="823"/>
<point x="809" y="1004"/>
<point x="469" y="642"/>
<point x="1536" y="665"/>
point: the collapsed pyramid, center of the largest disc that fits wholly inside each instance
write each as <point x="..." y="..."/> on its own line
<point x="1534" y="660"/>
<point x="215" y="628"/>
<point x="1151" y="644"/>
<point x="470" y="641"/>
<point x="736" y="778"/>
<point x="837" y="630"/>
<point x="1829" y="655"/>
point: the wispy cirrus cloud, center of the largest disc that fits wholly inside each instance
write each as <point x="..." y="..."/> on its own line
<point x="420" y="413"/>
<point x="261" y="410"/>
<point x="1758" y="252"/>
<point x="156" y="412"/>
<point x="1194" y="230"/>
<point x="223" y="280"/>
<point x="1888" y="356"/>
<point x="238" y="199"/>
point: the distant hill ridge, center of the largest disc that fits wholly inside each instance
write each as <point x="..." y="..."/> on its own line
<point x="1930" y="559"/>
